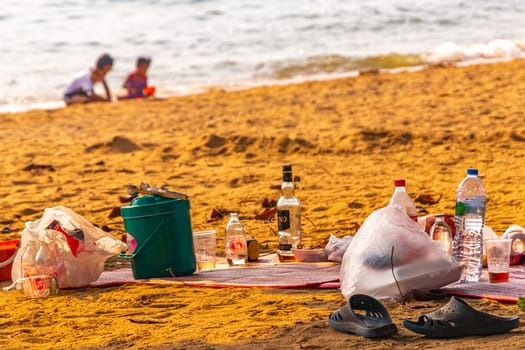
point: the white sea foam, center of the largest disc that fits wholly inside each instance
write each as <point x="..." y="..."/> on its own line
<point x="498" y="49"/>
<point x="17" y="107"/>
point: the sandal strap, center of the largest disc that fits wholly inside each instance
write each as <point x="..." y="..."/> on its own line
<point x="372" y="307"/>
<point x="459" y="312"/>
<point x="347" y="315"/>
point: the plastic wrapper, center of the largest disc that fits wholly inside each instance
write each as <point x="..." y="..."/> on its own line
<point x="80" y="249"/>
<point x="391" y="257"/>
<point x="336" y="247"/>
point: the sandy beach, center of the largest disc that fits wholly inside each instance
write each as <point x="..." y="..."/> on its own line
<point x="347" y="139"/>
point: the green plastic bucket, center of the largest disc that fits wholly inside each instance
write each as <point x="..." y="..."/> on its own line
<point x="162" y="230"/>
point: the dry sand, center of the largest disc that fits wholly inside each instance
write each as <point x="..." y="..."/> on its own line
<point x="347" y="140"/>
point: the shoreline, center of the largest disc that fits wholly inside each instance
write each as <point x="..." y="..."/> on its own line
<point x="347" y="139"/>
<point x="197" y="90"/>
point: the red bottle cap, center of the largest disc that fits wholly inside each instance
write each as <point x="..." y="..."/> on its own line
<point x="399" y="183"/>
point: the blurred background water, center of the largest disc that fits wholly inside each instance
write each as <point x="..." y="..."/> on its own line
<point x="197" y="44"/>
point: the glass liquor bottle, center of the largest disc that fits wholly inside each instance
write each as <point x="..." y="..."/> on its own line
<point x="441" y="232"/>
<point x="288" y="217"/>
<point x="28" y="264"/>
<point x="235" y="241"/>
<point x="45" y="262"/>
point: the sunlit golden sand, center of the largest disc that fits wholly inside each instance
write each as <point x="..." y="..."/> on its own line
<point x="347" y="140"/>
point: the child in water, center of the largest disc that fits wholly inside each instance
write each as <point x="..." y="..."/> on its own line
<point x="137" y="82"/>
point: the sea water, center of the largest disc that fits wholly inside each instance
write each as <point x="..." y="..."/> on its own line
<point x="197" y="44"/>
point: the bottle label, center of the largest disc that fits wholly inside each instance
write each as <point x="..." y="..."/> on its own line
<point x="283" y="220"/>
<point x="236" y="245"/>
<point x="39" y="286"/>
<point x="460" y="208"/>
<point x="471" y="206"/>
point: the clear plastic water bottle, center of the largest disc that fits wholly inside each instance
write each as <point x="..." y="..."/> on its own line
<point x="235" y="241"/>
<point x="401" y="199"/>
<point x="471" y="199"/>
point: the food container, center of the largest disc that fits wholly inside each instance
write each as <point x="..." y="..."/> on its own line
<point x="517" y="245"/>
<point x="310" y="255"/>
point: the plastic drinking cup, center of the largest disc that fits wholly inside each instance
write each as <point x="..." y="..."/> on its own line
<point x="204" y="243"/>
<point x="498" y="259"/>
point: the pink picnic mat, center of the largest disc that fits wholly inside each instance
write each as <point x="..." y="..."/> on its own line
<point x="506" y="292"/>
<point x="287" y="275"/>
<point x="309" y="275"/>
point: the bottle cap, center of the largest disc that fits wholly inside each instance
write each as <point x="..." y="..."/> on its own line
<point x="472" y="171"/>
<point x="287" y="173"/>
<point x="399" y="183"/>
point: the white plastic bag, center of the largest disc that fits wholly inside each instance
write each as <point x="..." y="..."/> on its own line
<point x="80" y="249"/>
<point x="389" y="243"/>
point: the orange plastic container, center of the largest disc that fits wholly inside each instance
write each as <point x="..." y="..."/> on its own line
<point x="149" y="91"/>
<point x="7" y="255"/>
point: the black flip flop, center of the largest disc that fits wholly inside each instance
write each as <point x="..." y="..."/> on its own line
<point x="374" y="323"/>
<point x="458" y="319"/>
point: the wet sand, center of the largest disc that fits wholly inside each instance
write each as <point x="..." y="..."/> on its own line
<point x="347" y="139"/>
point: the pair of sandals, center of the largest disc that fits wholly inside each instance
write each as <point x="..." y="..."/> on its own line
<point x="453" y="320"/>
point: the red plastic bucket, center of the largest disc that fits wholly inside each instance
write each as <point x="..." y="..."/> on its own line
<point x="7" y="255"/>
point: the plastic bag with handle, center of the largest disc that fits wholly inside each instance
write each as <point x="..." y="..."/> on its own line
<point x="391" y="256"/>
<point x="79" y="248"/>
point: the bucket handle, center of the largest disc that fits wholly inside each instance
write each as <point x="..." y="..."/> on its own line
<point x="137" y="252"/>
<point x="9" y="260"/>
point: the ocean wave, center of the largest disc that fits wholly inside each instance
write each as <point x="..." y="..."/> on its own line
<point x="451" y="52"/>
<point x="446" y="53"/>
<point x="335" y="64"/>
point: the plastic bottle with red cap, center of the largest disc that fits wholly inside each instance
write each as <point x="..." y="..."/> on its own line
<point x="401" y="199"/>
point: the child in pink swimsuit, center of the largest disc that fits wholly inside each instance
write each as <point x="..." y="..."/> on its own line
<point x="138" y="80"/>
